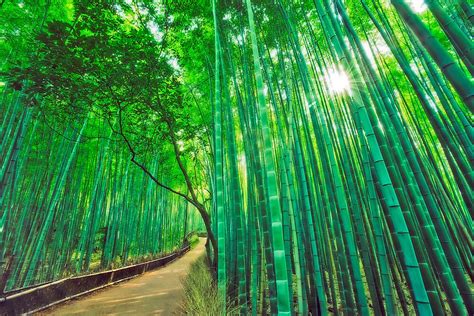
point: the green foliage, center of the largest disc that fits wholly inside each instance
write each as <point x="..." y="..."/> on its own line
<point x="88" y="203"/>
<point x="327" y="145"/>
<point x="193" y="240"/>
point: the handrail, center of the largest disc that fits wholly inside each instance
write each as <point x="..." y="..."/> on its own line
<point x="42" y="296"/>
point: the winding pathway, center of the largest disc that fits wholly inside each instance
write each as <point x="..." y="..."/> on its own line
<point x="154" y="293"/>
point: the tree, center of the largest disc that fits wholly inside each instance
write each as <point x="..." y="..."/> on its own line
<point x="104" y="65"/>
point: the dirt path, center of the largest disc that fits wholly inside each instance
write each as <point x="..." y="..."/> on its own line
<point x="153" y="293"/>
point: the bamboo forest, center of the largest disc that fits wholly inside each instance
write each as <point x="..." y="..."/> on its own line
<point x="320" y="151"/>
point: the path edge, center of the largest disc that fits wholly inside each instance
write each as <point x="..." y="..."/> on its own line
<point x="44" y="296"/>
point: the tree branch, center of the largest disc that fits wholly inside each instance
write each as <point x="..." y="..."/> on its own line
<point x="134" y="154"/>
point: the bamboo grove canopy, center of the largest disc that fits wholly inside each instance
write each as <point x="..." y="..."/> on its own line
<point x="327" y="146"/>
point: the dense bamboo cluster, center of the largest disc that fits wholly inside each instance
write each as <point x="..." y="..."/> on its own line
<point x="339" y="163"/>
<point x="343" y="157"/>
<point x="73" y="202"/>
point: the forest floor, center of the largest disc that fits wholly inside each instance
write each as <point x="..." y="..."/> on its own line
<point x="158" y="292"/>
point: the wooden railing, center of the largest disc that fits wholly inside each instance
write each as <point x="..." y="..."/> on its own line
<point x="40" y="297"/>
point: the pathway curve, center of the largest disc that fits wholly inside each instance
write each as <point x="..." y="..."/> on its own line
<point x="154" y="293"/>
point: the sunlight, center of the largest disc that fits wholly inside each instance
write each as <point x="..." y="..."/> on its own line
<point x="338" y="81"/>
<point x="237" y="40"/>
<point x="180" y="145"/>
<point x="173" y="62"/>
<point x="378" y="47"/>
<point x="418" y="6"/>
<point x="274" y="54"/>
<point x="368" y="52"/>
<point x="194" y="25"/>
<point x="155" y="31"/>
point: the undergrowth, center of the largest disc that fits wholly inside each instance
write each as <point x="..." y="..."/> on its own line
<point x="193" y="240"/>
<point x="200" y="292"/>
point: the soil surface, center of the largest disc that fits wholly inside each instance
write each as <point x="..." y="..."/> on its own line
<point x="157" y="292"/>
